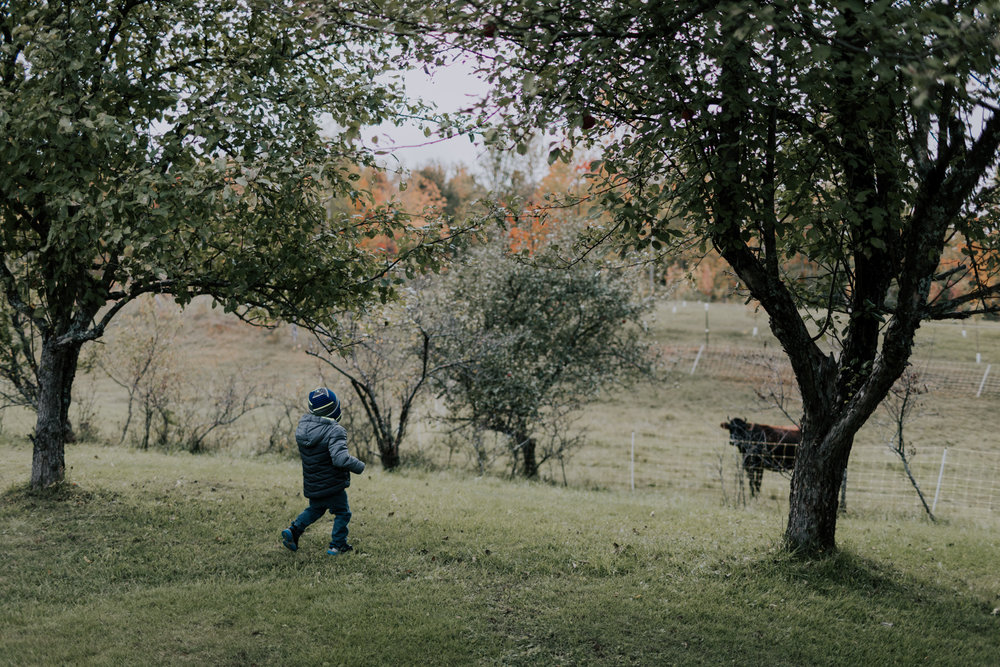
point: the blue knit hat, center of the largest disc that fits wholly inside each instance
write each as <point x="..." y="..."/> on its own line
<point x="324" y="403"/>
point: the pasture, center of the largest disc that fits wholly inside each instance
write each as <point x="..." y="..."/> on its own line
<point x="152" y="557"/>
<point x="671" y="423"/>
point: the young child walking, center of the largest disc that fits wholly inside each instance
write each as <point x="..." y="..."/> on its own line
<point x="326" y="471"/>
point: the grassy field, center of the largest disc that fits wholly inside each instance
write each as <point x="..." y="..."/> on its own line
<point x="153" y="558"/>
<point x="732" y="324"/>
<point x="675" y="419"/>
<point x="149" y="557"/>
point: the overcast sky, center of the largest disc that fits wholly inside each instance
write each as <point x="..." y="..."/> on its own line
<point x="449" y="88"/>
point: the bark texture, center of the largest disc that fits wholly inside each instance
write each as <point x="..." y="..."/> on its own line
<point x="56" y="371"/>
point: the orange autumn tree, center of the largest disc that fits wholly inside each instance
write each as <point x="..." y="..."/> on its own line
<point x="964" y="264"/>
<point x="557" y="202"/>
<point x="382" y="200"/>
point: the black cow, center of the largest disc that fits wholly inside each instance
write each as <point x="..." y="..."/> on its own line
<point x="763" y="447"/>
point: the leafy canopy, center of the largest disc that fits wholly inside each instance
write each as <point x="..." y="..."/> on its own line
<point x="179" y="147"/>
<point x="791" y="128"/>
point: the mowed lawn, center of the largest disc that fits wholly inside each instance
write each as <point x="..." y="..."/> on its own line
<point x="152" y="558"/>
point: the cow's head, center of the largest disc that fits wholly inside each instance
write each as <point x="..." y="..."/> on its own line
<point x="739" y="434"/>
<point x="736" y="425"/>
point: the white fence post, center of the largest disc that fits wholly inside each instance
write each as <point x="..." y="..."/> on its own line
<point x="937" y="491"/>
<point x="696" y="358"/>
<point x="983" y="382"/>
<point x="706" y="323"/>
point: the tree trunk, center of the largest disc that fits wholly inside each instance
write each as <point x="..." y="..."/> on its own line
<point x="814" y="500"/>
<point x="530" y="467"/>
<point x="56" y="371"/>
<point x="389" y="455"/>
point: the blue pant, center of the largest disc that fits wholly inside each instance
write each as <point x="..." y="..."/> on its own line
<point x="335" y="505"/>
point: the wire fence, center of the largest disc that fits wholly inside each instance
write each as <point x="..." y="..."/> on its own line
<point x="955" y="481"/>
<point x="763" y="365"/>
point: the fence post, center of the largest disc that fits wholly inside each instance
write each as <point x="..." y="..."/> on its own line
<point x="706" y="323"/>
<point x="983" y="382"/>
<point x="944" y="455"/>
<point x="696" y="358"/>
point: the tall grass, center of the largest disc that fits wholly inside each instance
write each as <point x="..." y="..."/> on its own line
<point x="149" y="558"/>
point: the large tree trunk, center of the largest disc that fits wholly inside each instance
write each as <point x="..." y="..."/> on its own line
<point x="56" y="371"/>
<point x="814" y="500"/>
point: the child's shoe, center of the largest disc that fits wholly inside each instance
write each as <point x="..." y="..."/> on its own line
<point x="290" y="540"/>
<point x="336" y="551"/>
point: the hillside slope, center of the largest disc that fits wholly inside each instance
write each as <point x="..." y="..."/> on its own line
<point x="175" y="558"/>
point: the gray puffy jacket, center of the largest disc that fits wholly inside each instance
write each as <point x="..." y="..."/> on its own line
<point x="326" y="463"/>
